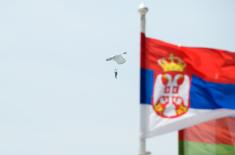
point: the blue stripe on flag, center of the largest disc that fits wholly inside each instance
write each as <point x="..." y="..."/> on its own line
<point x="146" y="86"/>
<point x="203" y="94"/>
<point x="208" y="95"/>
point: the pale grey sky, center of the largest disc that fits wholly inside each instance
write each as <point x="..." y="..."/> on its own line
<point x="58" y="95"/>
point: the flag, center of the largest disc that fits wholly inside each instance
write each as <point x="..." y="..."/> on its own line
<point x="183" y="86"/>
<point x="215" y="137"/>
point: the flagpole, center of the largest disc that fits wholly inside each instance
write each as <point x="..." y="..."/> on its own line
<point x="143" y="11"/>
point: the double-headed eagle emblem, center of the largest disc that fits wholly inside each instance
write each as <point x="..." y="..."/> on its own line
<point x="171" y="90"/>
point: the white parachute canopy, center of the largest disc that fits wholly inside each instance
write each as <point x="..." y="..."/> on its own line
<point x="119" y="59"/>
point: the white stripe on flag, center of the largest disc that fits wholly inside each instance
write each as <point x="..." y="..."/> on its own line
<point x="153" y="125"/>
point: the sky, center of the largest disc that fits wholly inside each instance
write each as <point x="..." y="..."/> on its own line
<point x="58" y="95"/>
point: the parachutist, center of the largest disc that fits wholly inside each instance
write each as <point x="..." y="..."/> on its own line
<point x="115" y="73"/>
<point x="119" y="59"/>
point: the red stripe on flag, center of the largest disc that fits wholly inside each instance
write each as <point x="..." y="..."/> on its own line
<point x="221" y="131"/>
<point x="213" y="65"/>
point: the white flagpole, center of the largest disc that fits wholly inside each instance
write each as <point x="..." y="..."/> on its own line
<point x="143" y="11"/>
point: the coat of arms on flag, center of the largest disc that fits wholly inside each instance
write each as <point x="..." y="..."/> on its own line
<point x="171" y="90"/>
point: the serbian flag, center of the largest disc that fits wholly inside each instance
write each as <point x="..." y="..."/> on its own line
<point x="215" y="137"/>
<point x="184" y="86"/>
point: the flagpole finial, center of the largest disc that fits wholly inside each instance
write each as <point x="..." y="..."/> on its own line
<point x="143" y="9"/>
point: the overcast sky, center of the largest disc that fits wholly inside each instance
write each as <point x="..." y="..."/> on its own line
<point x="58" y="96"/>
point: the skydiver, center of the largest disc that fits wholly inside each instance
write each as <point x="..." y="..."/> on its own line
<point x="115" y="73"/>
<point x="119" y="59"/>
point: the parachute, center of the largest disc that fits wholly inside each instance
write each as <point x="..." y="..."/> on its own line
<point x="119" y="59"/>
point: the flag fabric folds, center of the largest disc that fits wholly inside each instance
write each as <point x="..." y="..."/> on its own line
<point x="215" y="137"/>
<point x="183" y="86"/>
